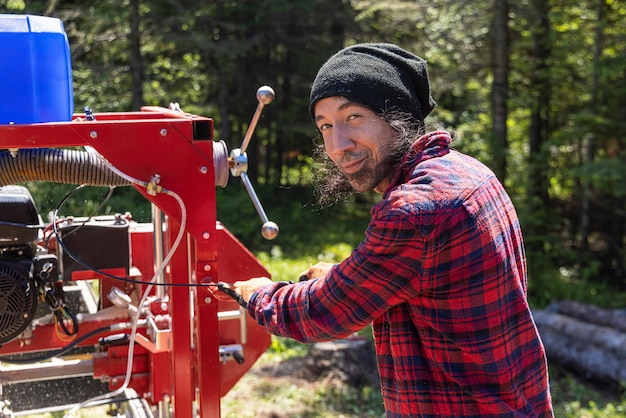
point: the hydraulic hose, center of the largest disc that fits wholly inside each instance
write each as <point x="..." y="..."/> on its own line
<point x="54" y="165"/>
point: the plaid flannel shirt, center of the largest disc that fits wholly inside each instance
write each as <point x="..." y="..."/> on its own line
<point x="441" y="275"/>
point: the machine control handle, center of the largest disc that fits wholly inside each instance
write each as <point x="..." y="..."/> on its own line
<point x="238" y="162"/>
<point x="265" y="95"/>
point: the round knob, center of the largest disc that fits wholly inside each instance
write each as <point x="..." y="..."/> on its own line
<point x="269" y="230"/>
<point x="265" y="95"/>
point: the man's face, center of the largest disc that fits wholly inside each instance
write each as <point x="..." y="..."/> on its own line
<point x="357" y="140"/>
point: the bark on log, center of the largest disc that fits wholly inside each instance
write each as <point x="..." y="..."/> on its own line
<point x="602" y="337"/>
<point x="592" y="349"/>
<point x="610" y="318"/>
<point x="592" y="362"/>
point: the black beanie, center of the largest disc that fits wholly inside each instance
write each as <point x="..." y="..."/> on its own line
<point x="377" y="75"/>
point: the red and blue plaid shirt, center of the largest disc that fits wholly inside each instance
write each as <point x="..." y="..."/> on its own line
<point x="441" y="275"/>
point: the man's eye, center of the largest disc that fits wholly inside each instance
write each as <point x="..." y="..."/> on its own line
<point x="324" y="126"/>
<point x="353" y="116"/>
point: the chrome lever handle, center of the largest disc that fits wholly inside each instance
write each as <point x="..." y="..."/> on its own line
<point x="269" y="230"/>
<point x="238" y="162"/>
<point x="265" y="95"/>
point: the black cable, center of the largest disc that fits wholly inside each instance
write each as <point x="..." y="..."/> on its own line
<point x="61" y="321"/>
<point x="58" y="352"/>
<point x="100" y="272"/>
<point x="230" y="292"/>
<point x="59" y="310"/>
<point x="221" y="286"/>
<point x="94" y="213"/>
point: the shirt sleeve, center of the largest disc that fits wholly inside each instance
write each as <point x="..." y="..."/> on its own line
<point x="379" y="274"/>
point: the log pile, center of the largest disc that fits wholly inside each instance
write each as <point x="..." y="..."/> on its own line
<point x="586" y="339"/>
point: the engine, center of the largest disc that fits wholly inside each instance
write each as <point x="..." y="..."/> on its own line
<point x="25" y="268"/>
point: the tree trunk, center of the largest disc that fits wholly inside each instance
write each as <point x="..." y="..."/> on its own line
<point x="538" y="158"/>
<point x="500" y="87"/>
<point x="136" y="67"/>
<point x="540" y="81"/>
<point x="588" y="142"/>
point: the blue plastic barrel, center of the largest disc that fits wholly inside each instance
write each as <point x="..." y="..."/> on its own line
<point x="35" y="70"/>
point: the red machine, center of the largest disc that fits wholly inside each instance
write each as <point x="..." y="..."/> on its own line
<point x="157" y="329"/>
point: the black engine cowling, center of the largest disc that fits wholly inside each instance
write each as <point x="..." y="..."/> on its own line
<point x="19" y="229"/>
<point x="18" y="298"/>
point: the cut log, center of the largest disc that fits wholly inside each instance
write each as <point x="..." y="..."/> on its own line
<point x="591" y="334"/>
<point x="610" y="318"/>
<point x="590" y="361"/>
<point x="590" y="348"/>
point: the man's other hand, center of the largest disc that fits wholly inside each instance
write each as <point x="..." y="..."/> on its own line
<point x="316" y="271"/>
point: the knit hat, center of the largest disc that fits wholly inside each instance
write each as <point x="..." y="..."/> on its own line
<point x="377" y="75"/>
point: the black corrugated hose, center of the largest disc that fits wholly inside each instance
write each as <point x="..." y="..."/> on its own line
<point x="54" y="165"/>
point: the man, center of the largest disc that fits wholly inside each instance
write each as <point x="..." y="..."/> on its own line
<point x="441" y="273"/>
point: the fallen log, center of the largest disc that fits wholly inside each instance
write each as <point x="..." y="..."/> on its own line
<point x="600" y="336"/>
<point x="611" y="318"/>
<point x="583" y="343"/>
<point x="590" y="361"/>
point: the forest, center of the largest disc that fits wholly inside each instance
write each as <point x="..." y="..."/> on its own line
<point x="535" y="89"/>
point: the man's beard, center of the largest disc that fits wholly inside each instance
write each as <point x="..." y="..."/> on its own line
<point x="332" y="185"/>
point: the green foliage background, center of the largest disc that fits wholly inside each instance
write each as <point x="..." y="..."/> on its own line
<point x="565" y="143"/>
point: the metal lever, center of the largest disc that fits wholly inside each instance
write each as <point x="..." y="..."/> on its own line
<point x="238" y="162"/>
<point x="265" y="95"/>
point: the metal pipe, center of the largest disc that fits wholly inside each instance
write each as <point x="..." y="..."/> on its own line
<point x="58" y="369"/>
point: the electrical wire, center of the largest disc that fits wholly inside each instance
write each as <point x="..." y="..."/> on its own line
<point x="60" y="351"/>
<point x="55" y="228"/>
<point x="61" y="314"/>
<point x="82" y="224"/>
<point x="157" y="274"/>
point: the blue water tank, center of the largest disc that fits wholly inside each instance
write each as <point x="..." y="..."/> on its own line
<point x="35" y="70"/>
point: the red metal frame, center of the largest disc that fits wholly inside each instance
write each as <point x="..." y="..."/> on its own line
<point x="178" y="147"/>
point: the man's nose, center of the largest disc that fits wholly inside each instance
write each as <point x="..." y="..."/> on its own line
<point x="340" y="140"/>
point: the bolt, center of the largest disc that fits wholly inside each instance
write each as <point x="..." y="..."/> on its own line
<point x="207" y="267"/>
<point x="163" y="132"/>
<point x="207" y="300"/>
<point x="93" y="134"/>
<point x="204" y="170"/>
<point x="206" y="235"/>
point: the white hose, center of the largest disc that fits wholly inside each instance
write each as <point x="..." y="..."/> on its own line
<point x="157" y="274"/>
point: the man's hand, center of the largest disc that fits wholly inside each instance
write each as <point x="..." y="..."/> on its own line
<point x="315" y="271"/>
<point x="245" y="288"/>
